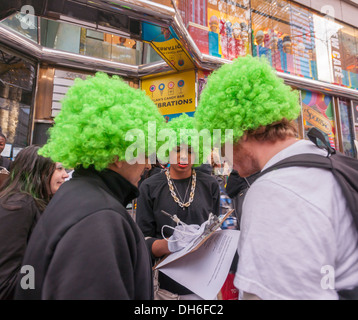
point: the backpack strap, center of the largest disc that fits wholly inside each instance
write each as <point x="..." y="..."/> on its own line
<point x="313" y="134"/>
<point x="301" y="160"/>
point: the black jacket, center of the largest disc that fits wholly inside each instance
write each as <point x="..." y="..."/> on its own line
<point x="5" y="162"/>
<point x="86" y="245"/>
<point x="18" y="217"/>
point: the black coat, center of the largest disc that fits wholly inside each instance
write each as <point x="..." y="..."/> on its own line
<point x="5" y="162"/>
<point x="18" y="217"/>
<point x="86" y="245"/>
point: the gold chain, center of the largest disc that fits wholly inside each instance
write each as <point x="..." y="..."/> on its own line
<point x="174" y="195"/>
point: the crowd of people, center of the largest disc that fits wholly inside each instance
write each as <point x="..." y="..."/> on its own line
<point x="83" y="244"/>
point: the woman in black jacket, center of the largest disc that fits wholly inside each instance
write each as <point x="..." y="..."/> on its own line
<point x="23" y="197"/>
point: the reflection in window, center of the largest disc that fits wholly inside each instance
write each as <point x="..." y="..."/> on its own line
<point x="26" y="25"/>
<point x="284" y="34"/>
<point x="149" y="54"/>
<point x="75" y="39"/>
<point x="16" y="91"/>
<point x="347" y="128"/>
<point x="349" y="57"/>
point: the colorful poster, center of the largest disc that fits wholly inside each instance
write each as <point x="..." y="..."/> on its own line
<point x="355" y="112"/>
<point x="165" y="42"/>
<point x="174" y="93"/>
<point x="317" y="110"/>
<point x="347" y="129"/>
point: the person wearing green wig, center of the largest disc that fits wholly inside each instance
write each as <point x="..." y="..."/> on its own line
<point x="182" y="191"/>
<point x="86" y="245"/>
<point x="295" y="222"/>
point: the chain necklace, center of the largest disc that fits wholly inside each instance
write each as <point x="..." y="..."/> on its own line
<point x="174" y="195"/>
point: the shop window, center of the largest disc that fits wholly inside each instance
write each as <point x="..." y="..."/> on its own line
<point x="218" y="27"/>
<point x="347" y="57"/>
<point x="24" y="24"/>
<point x="355" y="120"/>
<point x="317" y="111"/>
<point x="284" y="33"/>
<point x="16" y="95"/>
<point x="347" y="128"/>
<point x="149" y="54"/>
<point x="75" y="39"/>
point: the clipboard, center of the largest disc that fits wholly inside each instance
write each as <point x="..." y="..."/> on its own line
<point x="197" y="243"/>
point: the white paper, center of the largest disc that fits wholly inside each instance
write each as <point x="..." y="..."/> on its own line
<point x="7" y="150"/>
<point x="204" y="270"/>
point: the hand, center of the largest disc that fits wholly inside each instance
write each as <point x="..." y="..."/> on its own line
<point x="184" y="234"/>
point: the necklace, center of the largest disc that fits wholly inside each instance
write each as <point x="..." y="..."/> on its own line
<point x="186" y="191"/>
<point x="180" y="201"/>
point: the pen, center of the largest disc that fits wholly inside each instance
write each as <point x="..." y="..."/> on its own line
<point x="174" y="218"/>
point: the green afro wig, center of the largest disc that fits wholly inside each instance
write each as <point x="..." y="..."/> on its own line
<point x="185" y="132"/>
<point x="182" y="126"/>
<point x="96" y="115"/>
<point x="245" y="95"/>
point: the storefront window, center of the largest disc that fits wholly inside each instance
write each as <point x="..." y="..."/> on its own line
<point x="26" y="25"/>
<point x="347" y="128"/>
<point x="75" y="39"/>
<point x="349" y="57"/>
<point x="16" y="93"/>
<point x="149" y="54"/>
<point x="317" y="110"/>
<point x="284" y="33"/>
<point x="219" y="28"/>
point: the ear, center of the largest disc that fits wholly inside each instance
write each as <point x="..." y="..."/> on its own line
<point x="244" y="137"/>
<point x="116" y="165"/>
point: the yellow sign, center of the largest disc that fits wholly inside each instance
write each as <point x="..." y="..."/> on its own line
<point x="173" y="52"/>
<point x="174" y="93"/>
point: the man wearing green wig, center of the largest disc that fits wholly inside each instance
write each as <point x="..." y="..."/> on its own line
<point x="298" y="240"/>
<point x="182" y="191"/>
<point x="86" y="245"/>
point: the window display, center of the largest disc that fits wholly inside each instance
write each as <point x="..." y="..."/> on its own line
<point x="317" y="110"/>
<point x="349" y="57"/>
<point x="16" y="93"/>
<point x="284" y="34"/>
<point x="347" y="128"/>
<point x="218" y="27"/>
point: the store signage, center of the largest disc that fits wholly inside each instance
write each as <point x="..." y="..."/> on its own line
<point x="317" y="119"/>
<point x="165" y="42"/>
<point x="62" y="81"/>
<point x="336" y="57"/>
<point x="173" y="93"/>
<point x="355" y="112"/>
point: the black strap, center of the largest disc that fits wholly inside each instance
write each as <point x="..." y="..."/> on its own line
<point x="313" y="134"/>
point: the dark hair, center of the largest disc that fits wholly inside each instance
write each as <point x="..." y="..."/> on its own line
<point x="2" y="136"/>
<point x="30" y="174"/>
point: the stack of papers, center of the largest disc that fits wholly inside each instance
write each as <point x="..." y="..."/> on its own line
<point x="203" y="265"/>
